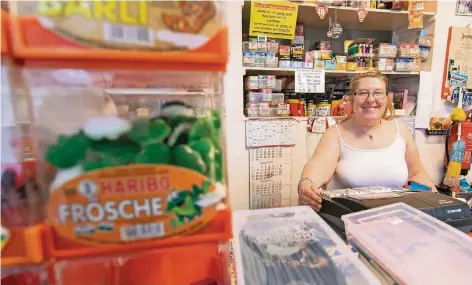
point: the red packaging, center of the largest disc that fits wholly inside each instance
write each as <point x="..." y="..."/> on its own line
<point x="466" y="136"/>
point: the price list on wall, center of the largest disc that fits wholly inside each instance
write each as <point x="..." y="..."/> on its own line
<point x="309" y="81"/>
<point x="270" y="173"/>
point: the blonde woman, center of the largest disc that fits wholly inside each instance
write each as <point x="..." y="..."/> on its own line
<point x="369" y="148"/>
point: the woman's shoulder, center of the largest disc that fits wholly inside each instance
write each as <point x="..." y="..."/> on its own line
<point x="330" y="136"/>
<point x="342" y="126"/>
<point x="403" y="130"/>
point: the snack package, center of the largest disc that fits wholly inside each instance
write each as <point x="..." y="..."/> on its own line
<point x="142" y="30"/>
<point x="415" y="14"/>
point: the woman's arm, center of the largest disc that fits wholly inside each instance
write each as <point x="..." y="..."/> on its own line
<point x="320" y="168"/>
<point x="416" y="171"/>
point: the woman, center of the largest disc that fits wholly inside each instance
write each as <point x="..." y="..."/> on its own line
<point x="369" y="148"/>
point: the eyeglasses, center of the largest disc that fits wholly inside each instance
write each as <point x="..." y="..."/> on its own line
<point x="376" y="94"/>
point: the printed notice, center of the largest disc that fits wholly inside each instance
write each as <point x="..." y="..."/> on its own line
<point x="273" y="19"/>
<point x="309" y="81"/>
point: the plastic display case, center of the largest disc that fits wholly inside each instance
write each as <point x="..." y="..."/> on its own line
<point x="293" y="246"/>
<point x="411" y="246"/>
<point x="22" y="198"/>
<point x="127" y="122"/>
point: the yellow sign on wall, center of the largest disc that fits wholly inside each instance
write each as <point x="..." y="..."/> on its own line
<point x="273" y="19"/>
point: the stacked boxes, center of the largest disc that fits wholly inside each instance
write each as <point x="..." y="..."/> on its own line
<point x="263" y="100"/>
<point x="384" y="56"/>
<point x="408" y="58"/>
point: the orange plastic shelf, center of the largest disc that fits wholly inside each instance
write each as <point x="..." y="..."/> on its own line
<point x="36" y="45"/>
<point x="189" y="264"/>
<point x="219" y="230"/>
<point x="25" y="247"/>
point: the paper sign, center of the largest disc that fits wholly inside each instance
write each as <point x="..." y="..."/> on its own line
<point x="424" y="103"/>
<point x="309" y="81"/>
<point x="273" y="19"/>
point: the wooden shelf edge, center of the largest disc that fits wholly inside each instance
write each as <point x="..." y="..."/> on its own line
<point x="369" y="10"/>
<point x="326" y="71"/>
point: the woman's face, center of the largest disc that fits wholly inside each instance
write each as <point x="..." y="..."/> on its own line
<point x="370" y="99"/>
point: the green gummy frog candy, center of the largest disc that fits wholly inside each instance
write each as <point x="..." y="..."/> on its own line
<point x="183" y="155"/>
<point x="204" y="128"/>
<point x="68" y="151"/>
<point x="100" y="163"/>
<point x="206" y="149"/>
<point x="125" y="151"/>
<point x="144" y="131"/>
<point x="158" y="153"/>
<point x="219" y="165"/>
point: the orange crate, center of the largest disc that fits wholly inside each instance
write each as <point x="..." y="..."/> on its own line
<point x="204" y="263"/>
<point x="24" y="247"/>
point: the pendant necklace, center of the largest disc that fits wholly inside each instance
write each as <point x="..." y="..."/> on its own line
<point x="371" y="137"/>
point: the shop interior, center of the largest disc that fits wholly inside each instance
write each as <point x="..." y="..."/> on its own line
<point x="138" y="136"/>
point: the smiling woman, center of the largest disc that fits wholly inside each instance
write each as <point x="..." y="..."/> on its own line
<point x="369" y="148"/>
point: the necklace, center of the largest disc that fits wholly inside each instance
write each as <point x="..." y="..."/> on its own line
<point x="371" y="137"/>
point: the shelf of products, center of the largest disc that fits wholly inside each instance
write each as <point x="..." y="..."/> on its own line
<point x="276" y="96"/>
<point x="291" y="71"/>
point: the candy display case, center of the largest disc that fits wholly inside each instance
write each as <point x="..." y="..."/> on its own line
<point x="22" y="250"/>
<point x="134" y="170"/>
<point x="139" y="171"/>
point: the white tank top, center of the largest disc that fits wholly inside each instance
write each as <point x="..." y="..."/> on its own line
<point x="379" y="167"/>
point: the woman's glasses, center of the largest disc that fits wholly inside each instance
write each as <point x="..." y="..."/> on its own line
<point x="366" y="93"/>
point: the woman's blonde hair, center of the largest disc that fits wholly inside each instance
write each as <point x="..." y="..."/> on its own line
<point x="389" y="113"/>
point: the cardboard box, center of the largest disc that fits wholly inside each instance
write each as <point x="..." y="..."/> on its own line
<point x="351" y="66"/>
<point x="341" y="65"/>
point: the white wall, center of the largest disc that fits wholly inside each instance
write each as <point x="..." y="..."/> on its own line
<point x="237" y="157"/>
<point x="432" y="148"/>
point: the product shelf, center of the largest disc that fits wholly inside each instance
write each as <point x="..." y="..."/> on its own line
<point x="291" y="71"/>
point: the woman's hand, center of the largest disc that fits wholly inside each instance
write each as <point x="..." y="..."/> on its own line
<point x="309" y="195"/>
